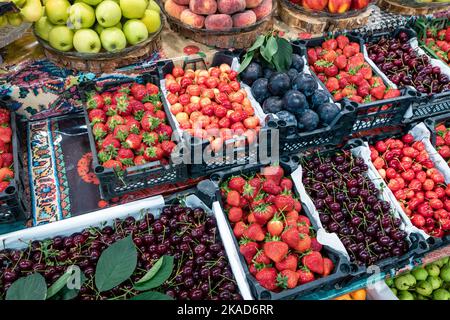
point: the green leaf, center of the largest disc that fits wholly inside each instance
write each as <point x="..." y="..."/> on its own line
<point x="152" y="295"/>
<point x="160" y="277"/>
<point x="270" y="49"/>
<point x="283" y="57"/>
<point x="116" y="264"/>
<point x="69" y="294"/>
<point x="258" y="43"/>
<point x="247" y="59"/>
<point x="32" y="287"/>
<point x="58" y="285"/>
<point x="151" y="273"/>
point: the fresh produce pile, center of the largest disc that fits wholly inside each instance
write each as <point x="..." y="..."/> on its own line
<point x="210" y="104"/>
<point x="359" y="294"/>
<point x="443" y="141"/>
<point x="29" y="11"/>
<point x="404" y="67"/>
<point x="429" y="283"/>
<point x="194" y="264"/>
<point x="340" y="65"/>
<point x="89" y="25"/>
<point x="130" y="126"/>
<point x="292" y="96"/>
<point x="332" y="6"/>
<point x="418" y="186"/>
<point x="277" y="242"/>
<point x="350" y="205"/>
<point x="439" y="42"/>
<point x="6" y="156"/>
<point x="220" y="15"/>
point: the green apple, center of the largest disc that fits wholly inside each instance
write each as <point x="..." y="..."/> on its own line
<point x="152" y="20"/>
<point x="42" y="27"/>
<point x="390" y="282"/>
<point x="421" y="297"/>
<point x="135" y="31"/>
<point x="81" y="16"/>
<point x="98" y="28"/>
<point x="108" y="13"/>
<point x="92" y="2"/>
<point x="433" y="269"/>
<point x="420" y="274"/>
<point x="152" y="5"/>
<point x="32" y="11"/>
<point x="404" y="282"/>
<point x="57" y="11"/>
<point x="86" y="41"/>
<point x="405" y="295"/>
<point x="113" y="39"/>
<point x="61" y="38"/>
<point x="118" y="25"/>
<point x="394" y="291"/>
<point x="435" y="282"/>
<point x="14" y="19"/>
<point x="133" y="9"/>
<point x="441" y="262"/>
<point x="445" y="273"/>
<point x="424" y="288"/>
<point x="19" y="3"/>
<point x="441" y="294"/>
<point x="3" y="21"/>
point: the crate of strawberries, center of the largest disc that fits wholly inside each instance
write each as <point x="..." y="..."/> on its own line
<point x="407" y="65"/>
<point x="152" y="249"/>
<point x="12" y="202"/>
<point x="418" y="179"/>
<point x="131" y="137"/>
<point x="219" y="124"/>
<point x="278" y="243"/>
<point x="342" y="69"/>
<point x="439" y="128"/>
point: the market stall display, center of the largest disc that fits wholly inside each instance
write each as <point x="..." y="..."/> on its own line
<point x="414" y="7"/>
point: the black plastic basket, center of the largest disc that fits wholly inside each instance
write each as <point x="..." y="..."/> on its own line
<point x="432" y="122"/>
<point x="423" y="105"/>
<point x="343" y="269"/>
<point x="369" y="116"/>
<point x="232" y="155"/>
<point x="13" y="205"/>
<point x="113" y="184"/>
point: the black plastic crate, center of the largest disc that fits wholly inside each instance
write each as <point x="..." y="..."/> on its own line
<point x="114" y="184"/>
<point x="13" y="204"/>
<point x="343" y="269"/>
<point x="431" y="124"/>
<point x="423" y="105"/>
<point x="372" y="115"/>
<point x="231" y="155"/>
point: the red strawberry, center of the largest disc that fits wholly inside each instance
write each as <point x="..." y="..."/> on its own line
<point x="4" y="185"/>
<point x="125" y="156"/>
<point x="315" y="245"/>
<point x="261" y="259"/>
<point x="150" y="138"/>
<point x="149" y="122"/>
<point x="291" y="218"/>
<point x="275" y="226"/>
<point x="273" y="173"/>
<point x="331" y="70"/>
<point x="4" y="116"/>
<point x="286" y="184"/>
<point x="378" y="92"/>
<point x="233" y="198"/>
<point x="349" y="51"/>
<point x="152" y="89"/>
<point x="137" y="109"/>
<point x="342" y="41"/>
<point x="276" y="250"/>
<point x="249" y="192"/>
<point x="133" y="141"/>
<point x="328" y="266"/>
<point x="123" y="105"/>
<point x="312" y="56"/>
<point x="263" y="213"/>
<point x="288" y="263"/>
<point x="164" y="131"/>
<point x="235" y="214"/>
<point x="341" y="62"/>
<point x="239" y="229"/>
<point x="237" y="184"/>
<point x="154" y="153"/>
<point x="314" y="262"/>
<point x="168" y="147"/>
<point x="114" y="164"/>
<point x="110" y="141"/>
<point x="121" y="132"/>
<point x="332" y="84"/>
<point x="330" y="44"/>
<point x="391" y="93"/>
<point x="160" y="115"/>
<point x="139" y="160"/>
<point x="97" y="115"/>
<point x="284" y="202"/>
<point x="297" y="205"/>
<point x="95" y="101"/>
<point x="7" y="159"/>
<point x="271" y="187"/>
<point x="254" y="232"/>
<point x="113" y="121"/>
<point x="99" y="130"/>
<point x="287" y="279"/>
<point x="107" y="98"/>
<point x="138" y="91"/>
<point x="248" y="249"/>
<point x="304" y="221"/>
<point x="253" y="270"/>
<point x="305" y="276"/>
<point x="5" y="134"/>
<point x="267" y="278"/>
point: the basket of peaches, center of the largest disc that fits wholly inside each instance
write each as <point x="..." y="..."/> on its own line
<point x="211" y="108"/>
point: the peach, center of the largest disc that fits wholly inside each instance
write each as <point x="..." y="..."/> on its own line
<point x="174" y="9"/>
<point x="244" y="19"/>
<point x="182" y="2"/>
<point x="205" y="7"/>
<point x="230" y="6"/>
<point x="252" y="3"/>
<point x="192" y="19"/>
<point x="263" y="9"/>
<point x="218" y="22"/>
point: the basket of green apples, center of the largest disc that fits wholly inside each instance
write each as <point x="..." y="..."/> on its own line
<point x="99" y="35"/>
